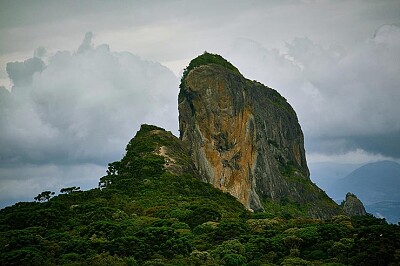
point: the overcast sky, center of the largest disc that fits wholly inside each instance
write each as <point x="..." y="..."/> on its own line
<point x="77" y="78"/>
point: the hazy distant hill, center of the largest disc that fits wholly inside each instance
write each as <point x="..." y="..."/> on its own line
<point x="390" y="210"/>
<point x="377" y="185"/>
<point x="373" y="182"/>
<point x="326" y="174"/>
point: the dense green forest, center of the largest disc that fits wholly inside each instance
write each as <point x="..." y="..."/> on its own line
<point x="143" y="215"/>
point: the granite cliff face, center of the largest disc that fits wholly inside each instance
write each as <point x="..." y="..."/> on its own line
<point x="245" y="139"/>
<point x="352" y="206"/>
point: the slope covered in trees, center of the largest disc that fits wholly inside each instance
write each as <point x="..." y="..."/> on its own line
<point x="142" y="214"/>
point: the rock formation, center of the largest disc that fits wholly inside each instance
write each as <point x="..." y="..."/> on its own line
<point x="352" y="206"/>
<point x="152" y="140"/>
<point x="245" y="139"/>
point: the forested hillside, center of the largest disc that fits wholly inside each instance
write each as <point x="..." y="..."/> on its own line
<point x="142" y="214"/>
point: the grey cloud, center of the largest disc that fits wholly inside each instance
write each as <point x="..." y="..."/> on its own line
<point x="340" y="93"/>
<point x="25" y="181"/>
<point x="86" y="106"/>
<point x="385" y="143"/>
<point x="21" y="73"/>
<point x="40" y="52"/>
<point x="165" y="29"/>
<point x="81" y="108"/>
<point x="86" y="43"/>
<point x="4" y="97"/>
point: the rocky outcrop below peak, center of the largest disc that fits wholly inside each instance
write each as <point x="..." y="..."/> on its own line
<point x="245" y="139"/>
<point x="352" y="206"/>
<point x="151" y="152"/>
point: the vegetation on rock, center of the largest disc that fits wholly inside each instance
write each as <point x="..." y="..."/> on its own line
<point x="245" y="139"/>
<point x="205" y="59"/>
<point x="152" y="208"/>
<point x="353" y="206"/>
<point x="143" y="215"/>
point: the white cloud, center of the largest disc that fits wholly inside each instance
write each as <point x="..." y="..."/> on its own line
<point x="86" y="105"/>
<point x="80" y="108"/>
<point x="357" y="156"/>
<point x="388" y="35"/>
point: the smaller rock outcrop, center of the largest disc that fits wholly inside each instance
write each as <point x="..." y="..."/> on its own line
<point x="352" y="206"/>
<point x="151" y="152"/>
<point x="163" y="143"/>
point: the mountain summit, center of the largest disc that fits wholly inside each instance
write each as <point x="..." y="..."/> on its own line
<point x="245" y="138"/>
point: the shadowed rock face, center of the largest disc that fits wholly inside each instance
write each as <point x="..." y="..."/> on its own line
<point x="245" y="139"/>
<point x="352" y="206"/>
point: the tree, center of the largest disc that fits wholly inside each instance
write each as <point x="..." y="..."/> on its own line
<point x="69" y="190"/>
<point x="295" y="262"/>
<point x="44" y="196"/>
<point x="292" y="242"/>
<point x="113" y="168"/>
<point x="234" y="260"/>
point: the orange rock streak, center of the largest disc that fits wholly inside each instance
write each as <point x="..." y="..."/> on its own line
<point x="234" y="164"/>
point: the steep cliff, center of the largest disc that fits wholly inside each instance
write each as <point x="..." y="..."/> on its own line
<point x="158" y="173"/>
<point x="245" y="138"/>
<point x="352" y="206"/>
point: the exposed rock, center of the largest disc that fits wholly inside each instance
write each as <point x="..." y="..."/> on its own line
<point x="352" y="206"/>
<point x="155" y="141"/>
<point x="245" y="138"/>
<point x="175" y="152"/>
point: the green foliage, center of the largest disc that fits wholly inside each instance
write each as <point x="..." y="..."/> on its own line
<point x="234" y="260"/>
<point x="44" y="196"/>
<point x="295" y="262"/>
<point x="284" y="209"/>
<point x="69" y="190"/>
<point x="200" y="214"/>
<point x="230" y="229"/>
<point x="205" y="59"/>
<point x="142" y="215"/>
<point x="274" y="98"/>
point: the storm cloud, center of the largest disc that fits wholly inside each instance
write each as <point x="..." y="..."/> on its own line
<point x="79" y="109"/>
<point x="346" y="97"/>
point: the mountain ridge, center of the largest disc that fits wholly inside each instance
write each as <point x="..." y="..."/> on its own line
<point x="377" y="184"/>
<point x="373" y="182"/>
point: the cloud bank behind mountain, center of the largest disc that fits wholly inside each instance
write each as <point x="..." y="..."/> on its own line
<point x="77" y="111"/>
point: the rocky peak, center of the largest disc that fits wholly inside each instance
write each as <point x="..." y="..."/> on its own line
<point x="245" y="139"/>
<point x="174" y="152"/>
<point x="151" y="152"/>
<point x="352" y="206"/>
